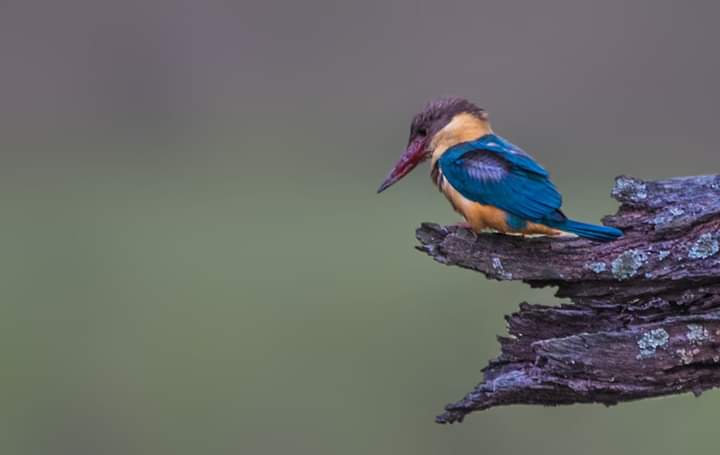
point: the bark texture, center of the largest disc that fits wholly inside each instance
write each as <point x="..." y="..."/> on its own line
<point x="645" y="317"/>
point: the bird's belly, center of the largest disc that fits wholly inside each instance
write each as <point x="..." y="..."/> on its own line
<point x="481" y="217"/>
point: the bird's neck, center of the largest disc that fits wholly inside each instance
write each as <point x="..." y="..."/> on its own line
<point x="462" y="128"/>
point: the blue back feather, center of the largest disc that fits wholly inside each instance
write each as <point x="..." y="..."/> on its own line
<point x="492" y="171"/>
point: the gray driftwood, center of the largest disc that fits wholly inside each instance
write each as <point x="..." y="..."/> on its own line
<point x="645" y="317"/>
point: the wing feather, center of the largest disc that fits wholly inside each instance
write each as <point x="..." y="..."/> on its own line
<point x="491" y="171"/>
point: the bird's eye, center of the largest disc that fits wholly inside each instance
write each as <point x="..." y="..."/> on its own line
<point x="421" y="132"/>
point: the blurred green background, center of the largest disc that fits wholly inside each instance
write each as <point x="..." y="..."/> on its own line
<point x="194" y="259"/>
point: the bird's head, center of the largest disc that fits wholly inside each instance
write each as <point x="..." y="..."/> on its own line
<point x="425" y="126"/>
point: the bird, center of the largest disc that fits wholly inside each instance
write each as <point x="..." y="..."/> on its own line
<point x="492" y="183"/>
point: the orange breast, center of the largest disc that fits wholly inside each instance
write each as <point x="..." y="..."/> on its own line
<point x="479" y="216"/>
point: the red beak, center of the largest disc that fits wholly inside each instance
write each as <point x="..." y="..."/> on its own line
<point x="414" y="155"/>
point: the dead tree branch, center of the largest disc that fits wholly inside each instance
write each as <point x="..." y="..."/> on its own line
<point x="645" y="317"/>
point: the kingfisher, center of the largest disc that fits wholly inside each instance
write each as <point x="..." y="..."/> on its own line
<point x="492" y="183"/>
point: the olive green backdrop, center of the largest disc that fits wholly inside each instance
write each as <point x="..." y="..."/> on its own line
<point x="193" y="258"/>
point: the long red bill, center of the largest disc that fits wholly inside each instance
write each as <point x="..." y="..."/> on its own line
<point x="414" y="155"/>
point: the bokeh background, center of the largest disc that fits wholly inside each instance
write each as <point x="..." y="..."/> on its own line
<point x="194" y="259"/>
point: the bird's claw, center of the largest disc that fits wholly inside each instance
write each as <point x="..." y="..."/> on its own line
<point x="460" y="225"/>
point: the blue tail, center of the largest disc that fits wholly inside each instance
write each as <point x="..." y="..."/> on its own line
<point x="588" y="231"/>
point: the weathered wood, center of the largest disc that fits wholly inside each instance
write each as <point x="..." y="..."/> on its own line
<point x="645" y="317"/>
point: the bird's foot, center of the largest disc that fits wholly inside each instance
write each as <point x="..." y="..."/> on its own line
<point x="461" y="225"/>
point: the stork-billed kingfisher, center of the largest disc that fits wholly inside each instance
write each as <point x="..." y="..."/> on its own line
<point x="488" y="180"/>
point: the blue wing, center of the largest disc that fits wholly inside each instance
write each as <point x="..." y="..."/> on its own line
<point x="492" y="171"/>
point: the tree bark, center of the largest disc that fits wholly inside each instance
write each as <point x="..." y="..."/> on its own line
<point x="645" y="317"/>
